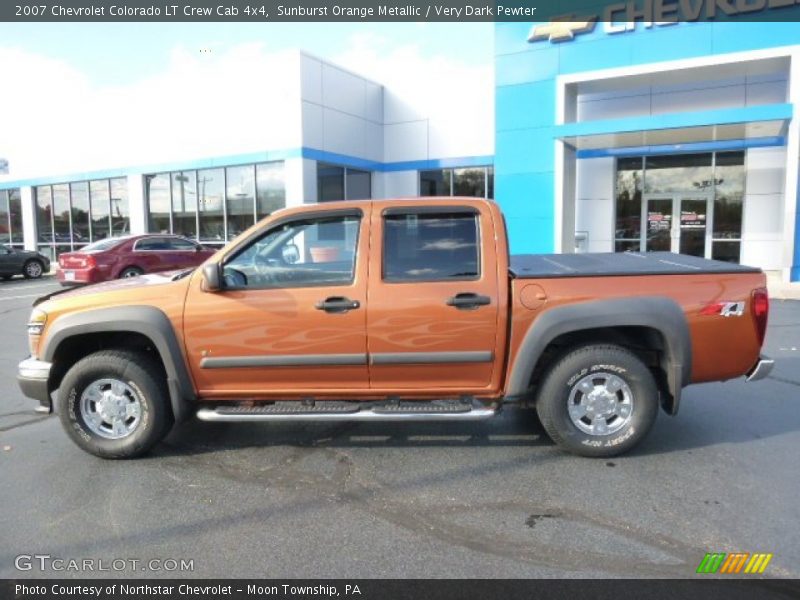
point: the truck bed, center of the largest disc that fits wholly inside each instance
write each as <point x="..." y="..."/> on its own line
<point x="601" y="264"/>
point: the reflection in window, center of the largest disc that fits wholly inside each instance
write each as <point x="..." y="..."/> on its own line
<point x="270" y="189"/>
<point x="15" y="216"/>
<point x="678" y="172"/>
<point x="358" y="184"/>
<point x="240" y="193"/>
<point x="430" y="247"/>
<point x="627" y="231"/>
<point x="158" y="195"/>
<point x="120" y="210"/>
<point x="61" y="225"/>
<point x="44" y="214"/>
<point x="330" y="183"/>
<point x="98" y="192"/>
<point x="184" y="203"/>
<point x="211" y="197"/>
<point x="5" y="229"/>
<point x="80" y="213"/>
<point x="477" y="182"/>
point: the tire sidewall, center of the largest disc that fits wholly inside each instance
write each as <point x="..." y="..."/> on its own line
<point x="76" y="382"/>
<point x="577" y="365"/>
<point x="32" y="262"/>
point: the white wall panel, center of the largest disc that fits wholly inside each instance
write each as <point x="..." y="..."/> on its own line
<point x="405" y="141"/>
<point x="343" y="91"/>
<point x="343" y="133"/>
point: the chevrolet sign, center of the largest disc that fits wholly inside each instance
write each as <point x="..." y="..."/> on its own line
<point x="623" y="16"/>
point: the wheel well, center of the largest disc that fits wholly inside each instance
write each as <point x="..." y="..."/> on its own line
<point x="74" y="348"/>
<point x="646" y="343"/>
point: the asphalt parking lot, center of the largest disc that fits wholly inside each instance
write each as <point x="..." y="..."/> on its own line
<point x="494" y="499"/>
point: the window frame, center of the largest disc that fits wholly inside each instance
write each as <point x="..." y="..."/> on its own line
<point x="253" y="238"/>
<point x="432" y="210"/>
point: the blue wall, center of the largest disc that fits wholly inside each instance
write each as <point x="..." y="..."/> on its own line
<point x="525" y="100"/>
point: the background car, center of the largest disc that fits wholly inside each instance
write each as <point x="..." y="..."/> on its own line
<point x="27" y="263"/>
<point x="130" y="256"/>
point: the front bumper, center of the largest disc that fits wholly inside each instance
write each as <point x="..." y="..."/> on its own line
<point x="32" y="377"/>
<point x="761" y="369"/>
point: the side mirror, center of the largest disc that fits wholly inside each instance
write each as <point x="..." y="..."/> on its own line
<point x="212" y="277"/>
<point x="290" y="253"/>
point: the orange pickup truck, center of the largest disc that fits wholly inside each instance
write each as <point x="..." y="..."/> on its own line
<point x="394" y="310"/>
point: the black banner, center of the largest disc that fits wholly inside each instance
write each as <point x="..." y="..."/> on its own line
<point x="394" y="589"/>
<point x="572" y="11"/>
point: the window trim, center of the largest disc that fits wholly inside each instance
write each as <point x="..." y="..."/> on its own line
<point x="280" y="222"/>
<point x="428" y="210"/>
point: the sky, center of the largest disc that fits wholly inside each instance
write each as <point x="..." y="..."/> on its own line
<point x="65" y="85"/>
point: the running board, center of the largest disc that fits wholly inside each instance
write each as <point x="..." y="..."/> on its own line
<point x="293" y="412"/>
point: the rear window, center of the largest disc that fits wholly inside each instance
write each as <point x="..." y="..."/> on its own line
<point x="430" y="247"/>
<point x="102" y="245"/>
<point x="152" y="244"/>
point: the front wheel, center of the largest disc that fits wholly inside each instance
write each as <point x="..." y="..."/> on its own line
<point x="130" y="272"/>
<point x="598" y="401"/>
<point x="113" y="404"/>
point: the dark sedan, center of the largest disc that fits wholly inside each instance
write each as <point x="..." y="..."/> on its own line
<point x="130" y="256"/>
<point x="27" y="263"/>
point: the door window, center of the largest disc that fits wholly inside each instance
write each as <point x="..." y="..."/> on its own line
<point x="430" y="247"/>
<point x="297" y="254"/>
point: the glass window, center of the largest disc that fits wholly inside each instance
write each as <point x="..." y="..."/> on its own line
<point x="158" y="195"/>
<point x="151" y="243"/>
<point x="5" y="230"/>
<point x="44" y="213"/>
<point x="210" y="204"/>
<point x="98" y="192"/>
<point x="240" y="193"/>
<point x="102" y="245"/>
<point x="180" y="245"/>
<point x="15" y="216"/>
<point x="678" y="172"/>
<point x="490" y="182"/>
<point x="270" y="188"/>
<point x="184" y="203"/>
<point x="120" y="208"/>
<point x="61" y="224"/>
<point x="628" y="225"/>
<point x="729" y="198"/>
<point x="469" y="182"/>
<point x="330" y="183"/>
<point x="430" y="247"/>
<point x="79" y="193"/>
<point x="293" y="255"/>
<point x="435" y="183"/>
<point x="727" y="251"/>
<point x="359" y="185"/>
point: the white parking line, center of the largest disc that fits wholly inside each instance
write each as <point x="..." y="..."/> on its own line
<point x="18" y="297"/>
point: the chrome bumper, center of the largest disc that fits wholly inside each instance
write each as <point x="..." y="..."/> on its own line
<point x="32" y="377"/>
<point x="762" y="369"/>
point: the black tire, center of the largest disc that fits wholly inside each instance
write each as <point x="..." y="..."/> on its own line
<point x="140" y="373"/>
<point x="130" y="272"/>
<point x="594" y="367"/>
<point x="33" y="269"/>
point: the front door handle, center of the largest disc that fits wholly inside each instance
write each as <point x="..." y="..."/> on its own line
<point x="337" y="304"/>
<point x="468" y="301"/>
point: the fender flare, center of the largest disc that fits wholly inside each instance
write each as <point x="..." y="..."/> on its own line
<point x="146" y="320"/>
<point x="655" y="312"/>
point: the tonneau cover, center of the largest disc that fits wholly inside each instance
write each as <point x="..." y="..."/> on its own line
<point x="535" y="266"/>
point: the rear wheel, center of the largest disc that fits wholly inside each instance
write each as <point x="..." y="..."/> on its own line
<point x="113" y="404"/>
<point x="598" y="401"/>
<point x="33" y="269"/>
<point x="130" y="272"/>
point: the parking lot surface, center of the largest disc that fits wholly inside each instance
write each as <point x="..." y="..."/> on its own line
<point x="492" y="499"/>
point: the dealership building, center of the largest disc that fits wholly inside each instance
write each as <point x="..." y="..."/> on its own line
<point x="601" y="138"/>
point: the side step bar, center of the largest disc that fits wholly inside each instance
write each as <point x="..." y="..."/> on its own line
<point x="292" y="412"/>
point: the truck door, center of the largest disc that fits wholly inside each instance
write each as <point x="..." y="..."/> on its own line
<point x="291" y="317"/>
<point x="432" y="312"/>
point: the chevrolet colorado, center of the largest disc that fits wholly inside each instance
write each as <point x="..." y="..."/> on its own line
<point x="394" y="310"/>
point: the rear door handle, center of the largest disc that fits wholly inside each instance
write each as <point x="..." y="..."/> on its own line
<point x="468" y="301"/>
<point x="337" y="304"/>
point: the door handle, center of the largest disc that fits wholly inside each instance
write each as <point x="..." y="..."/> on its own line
<point x="468" y="301"/>
<point x="337" y="304"/>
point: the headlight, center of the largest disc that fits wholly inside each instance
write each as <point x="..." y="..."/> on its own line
<point x="35" y="326"/>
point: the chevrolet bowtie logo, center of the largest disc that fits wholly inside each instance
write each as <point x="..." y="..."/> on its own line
<point x="560" y="31"/>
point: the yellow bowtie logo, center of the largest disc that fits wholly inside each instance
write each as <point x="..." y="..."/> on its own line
<point x="559" y="31"/>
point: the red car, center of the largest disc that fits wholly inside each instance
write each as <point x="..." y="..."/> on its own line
<point x="130" y="256"/>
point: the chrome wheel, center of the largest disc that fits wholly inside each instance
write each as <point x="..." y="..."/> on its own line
<point x="111" y="408"/>
<point x="33" y="269"/>
<point x="600" y="404"/>
<point x="127" y="273"/>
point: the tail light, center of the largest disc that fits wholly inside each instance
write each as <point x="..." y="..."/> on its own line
<point x="89" y="262"/>
<point x="760" y="308"/>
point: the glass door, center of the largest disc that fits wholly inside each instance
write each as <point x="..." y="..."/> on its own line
<point x="693" y="213"/>
<point x="658" y="217"/>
